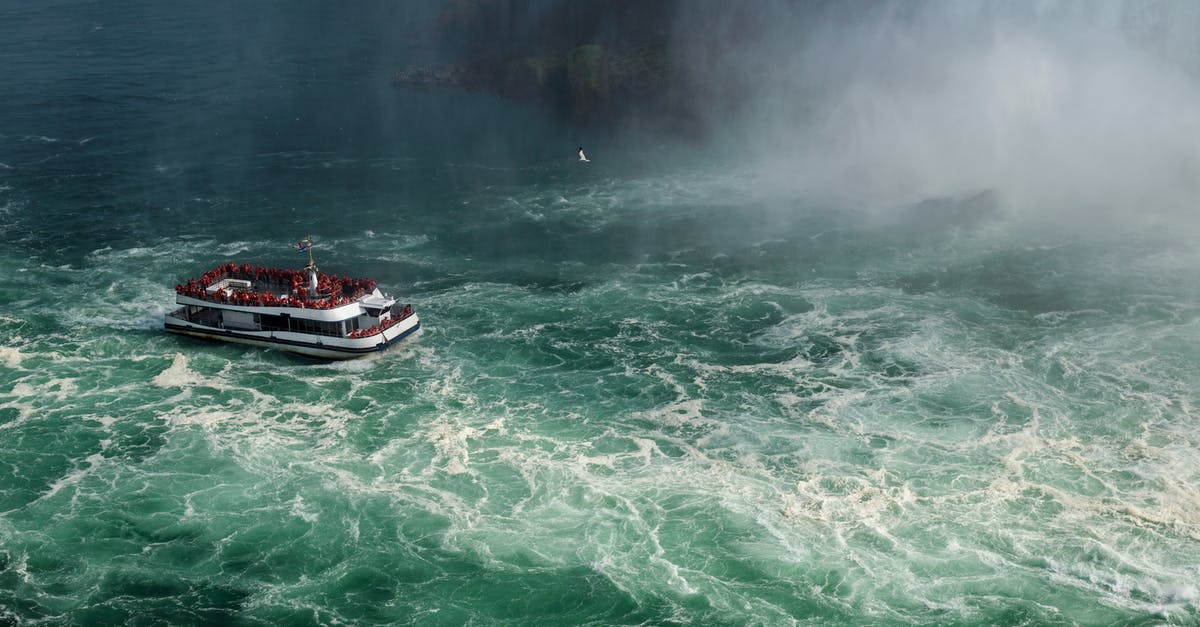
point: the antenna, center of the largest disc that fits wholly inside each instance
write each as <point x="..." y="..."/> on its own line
<point x="308" y="244"/>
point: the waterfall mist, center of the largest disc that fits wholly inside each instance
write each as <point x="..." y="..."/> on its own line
<point x="1064" y="109"/>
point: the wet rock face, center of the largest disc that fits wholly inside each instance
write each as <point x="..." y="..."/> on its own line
<point x="593" y="62"/>
<point x="591" y="84"/>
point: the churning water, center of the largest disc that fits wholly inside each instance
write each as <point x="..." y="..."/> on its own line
<point x="649" y="393"/>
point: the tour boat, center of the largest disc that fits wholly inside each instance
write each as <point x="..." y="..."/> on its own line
<point x="301" y="311"/>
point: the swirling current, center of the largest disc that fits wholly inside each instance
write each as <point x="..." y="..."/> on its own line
<point x="647" y="393"/>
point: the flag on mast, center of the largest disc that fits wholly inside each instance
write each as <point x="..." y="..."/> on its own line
<point x="305" y="246"/>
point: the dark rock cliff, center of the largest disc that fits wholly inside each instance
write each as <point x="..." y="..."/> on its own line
<point x="593" y="62"/>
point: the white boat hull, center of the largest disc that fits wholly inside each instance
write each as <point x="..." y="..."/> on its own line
<point x="325" y="347"/>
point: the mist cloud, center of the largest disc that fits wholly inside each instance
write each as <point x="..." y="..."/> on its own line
<point x="1063" y="108"/>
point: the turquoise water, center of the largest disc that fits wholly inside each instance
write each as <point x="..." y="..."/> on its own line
<point x="660" y="392"/>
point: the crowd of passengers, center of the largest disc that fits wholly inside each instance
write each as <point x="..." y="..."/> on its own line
<point x="332" y="290"/>
<point x="387" y="323"/>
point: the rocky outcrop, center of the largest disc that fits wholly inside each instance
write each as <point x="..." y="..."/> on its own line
<point x="590" y="82"/>
<point x="594" y="62"/>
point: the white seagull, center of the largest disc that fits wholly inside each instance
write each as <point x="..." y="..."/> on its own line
<point x="582" y="157"/>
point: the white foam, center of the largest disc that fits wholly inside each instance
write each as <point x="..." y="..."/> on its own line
<point x="60" y="389"/>
<point x="22" y="568"/>
<point x="451" y="443"/>
<point x="201" y="417"/>
<point x="75" y="476"/>
<point x="25" y="410"/>
<point x="177" y="374"/>
<point x="11" y="357"/>
<point x="303" y="511"/>
<point x="22" y="389"/>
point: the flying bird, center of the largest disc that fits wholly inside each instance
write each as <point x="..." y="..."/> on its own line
<point x="582" y="157"/>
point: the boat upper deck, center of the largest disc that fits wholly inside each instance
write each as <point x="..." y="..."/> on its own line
<point x="274" y="287"/>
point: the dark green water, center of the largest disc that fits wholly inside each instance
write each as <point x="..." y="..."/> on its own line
<point x="646" y="393"/>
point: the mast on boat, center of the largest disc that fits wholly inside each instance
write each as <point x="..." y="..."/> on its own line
<point x="305" y="245"/>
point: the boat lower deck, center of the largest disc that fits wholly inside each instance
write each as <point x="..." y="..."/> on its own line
<point x="303" y="343"/>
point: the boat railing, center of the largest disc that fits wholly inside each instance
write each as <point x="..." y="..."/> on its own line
<point x="397" y="316"/>
<point x="258" y="286"/>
